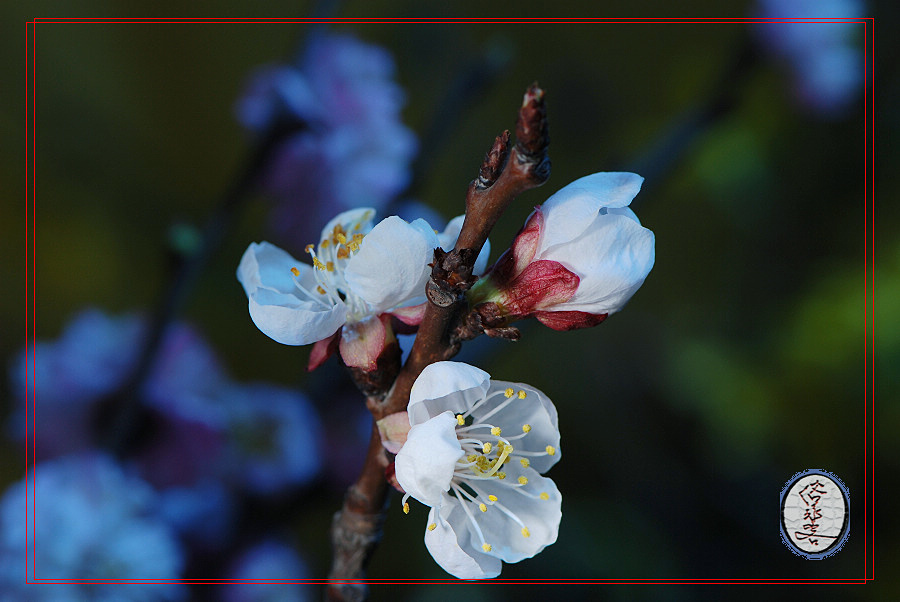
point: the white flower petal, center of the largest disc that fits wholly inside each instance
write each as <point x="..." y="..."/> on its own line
<point x="443" y="386"/>
<point x="569" y="212"/>
<point x="264" y="265"/>
<point x="362" y="216"/>
<point x="425" y="463"/>
<point x="290" y="321"/>
<point x="391" y="267"/>
<point x="443" y="544"/>
<point x="612" y="258"/>
<point x="277" y="306"/>
<point x="536" y="410"/>
<point x="541" y="517"/>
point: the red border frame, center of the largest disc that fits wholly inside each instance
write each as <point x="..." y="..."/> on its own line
<point x="868" y="283"/>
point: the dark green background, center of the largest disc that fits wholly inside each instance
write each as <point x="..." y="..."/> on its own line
<point x="737" y="364"/>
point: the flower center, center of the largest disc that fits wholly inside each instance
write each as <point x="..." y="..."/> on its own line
<point x="330" y="260"/>
<point x="485" y="451"/>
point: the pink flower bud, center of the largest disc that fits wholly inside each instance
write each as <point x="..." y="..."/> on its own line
<point x="579" y="257"/>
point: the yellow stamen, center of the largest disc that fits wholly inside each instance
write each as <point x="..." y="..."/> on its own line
<point x="486" y="547"/>
<point x="525" y="463"/>
<point x="460" y="420"/>
<point x="551" y="450"/>
<point x="526" y="532"/>
<point x="319" y="265"/>
<point x="432" y="526"/>
<point x="295" y="271"/>
<point x="544" y="496"/>
<point x="308" y="248"/>
<point x="343" y="253"/>
<point x="320" y="290"/>
<point x="493" y="498"/>
<point x="501" y="475"/>
<point x="523" y="480"/>
<point x="325" y="244"/>
<point x="471" y="457"/>
<point x="509" y="393"/>
<point x="495" y="431"/>
<point x="406" y="508"/>
<point x="526" y="428"/>
<point x="522" y="394"/>
<point x="357" y="238"/>
<point x="329" y="266"/>
<point x="341" y="238"/>
<point x="488" y="447"/>
<point x="482" y="507"/>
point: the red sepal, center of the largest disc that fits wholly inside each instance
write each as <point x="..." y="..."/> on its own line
<point x="568" y="320"/>
<point x="322" y="350"/>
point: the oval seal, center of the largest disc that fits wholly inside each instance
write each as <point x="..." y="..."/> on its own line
<point x="815" y="514"/>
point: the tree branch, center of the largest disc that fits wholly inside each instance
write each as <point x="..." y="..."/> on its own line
<point x="504" y="174"/>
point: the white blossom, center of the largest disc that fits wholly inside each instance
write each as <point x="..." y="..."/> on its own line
<point x="475" y="453"/>
<point x="360" y="274"/>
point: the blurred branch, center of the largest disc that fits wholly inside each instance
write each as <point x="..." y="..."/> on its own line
<point x="472" y="83"/>
<point x="119" y="418"/>
<point x="662" y="156"/>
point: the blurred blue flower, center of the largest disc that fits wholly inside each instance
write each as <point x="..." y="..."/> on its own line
<point x="202" y="513"/>
<point x="261" y="437"/>
<point x="825" y="58"/>
<point x="355" y="152"/>
<point x="268" y="560"/>
<point x="273" y="436"/>
<point x="91" y="358"/>
<point x="92" y="521"/>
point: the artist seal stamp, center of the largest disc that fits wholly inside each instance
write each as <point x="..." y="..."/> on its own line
<point x="815" y="514"/>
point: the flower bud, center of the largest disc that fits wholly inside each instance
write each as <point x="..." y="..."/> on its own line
<point x="579" y="257"/>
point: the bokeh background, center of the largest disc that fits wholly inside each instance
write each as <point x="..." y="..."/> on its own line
<point x="737" y="364"/>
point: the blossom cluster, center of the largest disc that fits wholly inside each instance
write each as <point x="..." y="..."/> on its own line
<point x="472" y="449"/>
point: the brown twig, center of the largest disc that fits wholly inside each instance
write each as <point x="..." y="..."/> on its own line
<point x="505" y="173"/>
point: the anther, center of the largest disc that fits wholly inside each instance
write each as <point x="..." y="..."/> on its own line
<point x="524" y="462"/>
<point x="309" y="248"/>
<point x="522" y="394"/>
<point x="509" y="393"/>
<point x="325" y="244"/>
<point x="482" y="507"/>
<point x="495" y="431"/>
<point x="405" y="507"/>
<point x="471" y="457"/>
<point x="295" y="271"/>
<point x="523" y="480"/>
<point x="320" y="290"/>
<point x="433" y="526"/>
<point x="544" y="496"/>
<point x="488" y="447"/>
<point x="343" y="253"/>
<point x="492" y="497"/>
<point x="486" y="547"/>
<point x="551" y="450"/>
<point x="329" y="266"/>
<point x="526" y="532"/>
<point x="461" y="421"/>
<point x="501" y="475"/>
<point x="341" y="238"/>
<point x="526" y="428"/>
